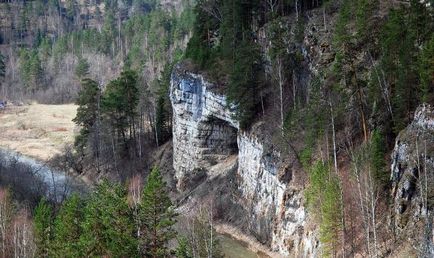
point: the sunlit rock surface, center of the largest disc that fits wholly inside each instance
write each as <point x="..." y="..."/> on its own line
<point x="412" y="170"/>
<point x="205" y="133"/>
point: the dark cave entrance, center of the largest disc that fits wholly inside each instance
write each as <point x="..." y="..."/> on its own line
<point x="219" y="137"/>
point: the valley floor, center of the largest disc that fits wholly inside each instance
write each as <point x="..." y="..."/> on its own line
<point x="36" y="130"/>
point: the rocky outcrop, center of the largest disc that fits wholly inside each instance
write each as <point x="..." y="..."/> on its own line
<point x="274" y="204"/>
<point x="205" y="133"/>
<point x="412" y="170"/>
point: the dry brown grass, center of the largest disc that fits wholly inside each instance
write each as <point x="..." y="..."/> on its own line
<point x="36" y="130"/>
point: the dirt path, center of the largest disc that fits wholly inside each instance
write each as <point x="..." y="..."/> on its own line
<point x="36" y="130"/>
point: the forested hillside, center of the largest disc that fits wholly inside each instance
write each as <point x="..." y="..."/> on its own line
<point x="52" y="50"/>
<point x="333" y="83"/>
<point x="304" y="128"/>
<point x="50" y="45"/>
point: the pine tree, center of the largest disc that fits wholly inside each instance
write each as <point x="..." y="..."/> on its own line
<point x="426" y="71"/>
<point x="119" y="104"/>
<point x="88" y="111"/>
<point x="108" y="227"/>
<point x="244" y="83"/>
<point x="157" y="216"/>
<point x="324" y="200"/>
<point x="378" y="152"/>
<point x="82" y="69"/>
<point x="164" y="110"/>
<point x="67" y="229"/>
<point x="200" y="48"/>
<point x="183" y="250"/>
<point x="43" y="228"/>
<point x="331" y="217"/>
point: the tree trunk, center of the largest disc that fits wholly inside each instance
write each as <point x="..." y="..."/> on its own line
<point x="280" y="68"/>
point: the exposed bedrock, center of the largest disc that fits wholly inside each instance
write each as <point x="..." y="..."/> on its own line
<point x="205" y="133"/>
<point x="412" y="170"/>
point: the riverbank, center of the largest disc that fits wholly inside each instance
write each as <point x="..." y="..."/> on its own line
<point x="36" y="130"/>
<point x="248" y="242"/>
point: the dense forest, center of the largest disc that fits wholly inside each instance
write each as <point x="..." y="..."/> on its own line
<point x="381" y="67"/>
<point x="340" y="113"/>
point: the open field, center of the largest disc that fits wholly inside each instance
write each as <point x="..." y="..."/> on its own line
<point x="36" y="130"/>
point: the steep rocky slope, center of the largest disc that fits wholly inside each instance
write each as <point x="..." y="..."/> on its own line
<point x="206" y="134"/>
<point x="266" y="189"/>
<point x="412" y="179"/>
<point x="267" y="186"/>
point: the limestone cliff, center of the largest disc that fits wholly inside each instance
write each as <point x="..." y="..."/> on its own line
<point x="205" y="133"/>
<point x="412" y="177"/>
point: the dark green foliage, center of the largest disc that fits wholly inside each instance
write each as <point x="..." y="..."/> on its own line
<point x="157" y="216"/>
<point x="107" y="226"/>
<point x="43" y="228"/>
<point x="278" y="32"/>
<point x="225" y="46"/>
<point x="88" y="111"/>
<point x="108" y="32"/>
<point x="104" y="225"/>
<point x="364" y="11"/>
<point x="31" y="70"/>
<point x="397" y="49"/>
<point x="341" y="30"/>
<point x="403" y="33"/>
<point x="82" y="68"/>
<point x="67" y="229"/>
<point x="426" y="71"/>
<point x="200" y="47"/>
<point x="119" y="104"/>
<point x="378" y="159"/>
<point x="163" y="123"/>
<point x="244" y="83"/>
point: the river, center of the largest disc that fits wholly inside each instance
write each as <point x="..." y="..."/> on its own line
<point x="57" y="184"/>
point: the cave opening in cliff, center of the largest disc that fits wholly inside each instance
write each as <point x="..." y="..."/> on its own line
<point x="221" y="137"/>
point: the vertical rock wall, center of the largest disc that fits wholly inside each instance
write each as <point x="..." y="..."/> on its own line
<point x="204" y="133"/>
<point x="412" y="170"/>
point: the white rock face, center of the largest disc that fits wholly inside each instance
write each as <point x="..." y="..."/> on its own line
<point x="274" y="206"/>
<point x="204" y="133"/>
<point x="412" y="167"/>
